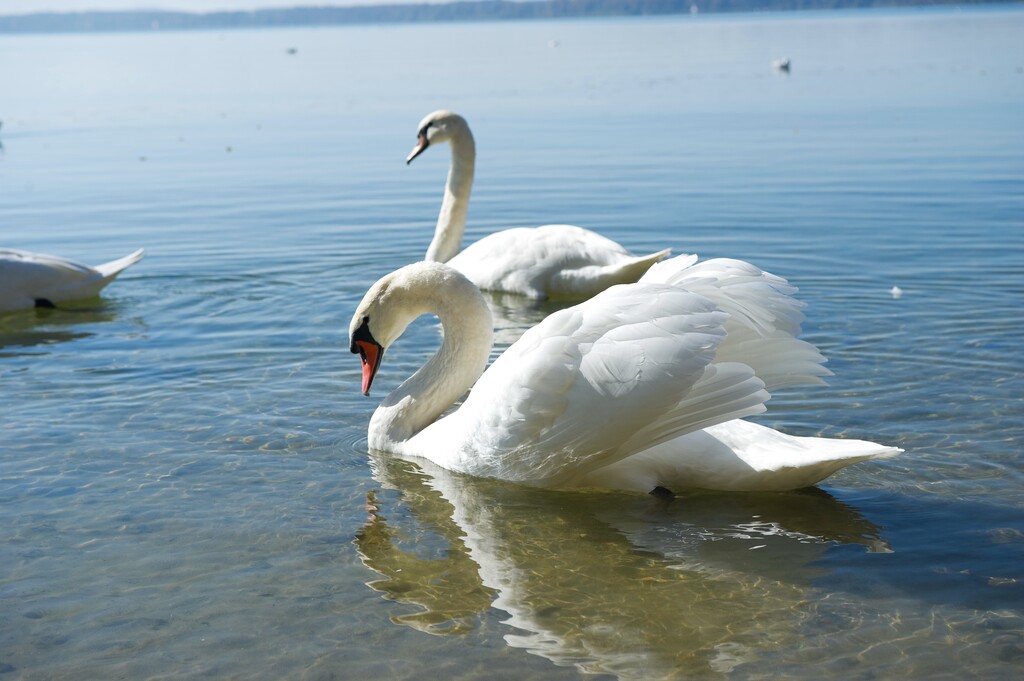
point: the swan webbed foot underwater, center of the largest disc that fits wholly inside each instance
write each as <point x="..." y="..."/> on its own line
<point x="663" y="494"/>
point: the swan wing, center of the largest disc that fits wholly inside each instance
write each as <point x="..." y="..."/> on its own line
<point x="593" y="383"/>
<point x="553" y="261"/>
<point x="764" y="317"/>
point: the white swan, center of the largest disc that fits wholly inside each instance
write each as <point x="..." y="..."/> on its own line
<point x="638" y="388"/>
<point x="553" y="261"/>
<point x="36" y="280"/>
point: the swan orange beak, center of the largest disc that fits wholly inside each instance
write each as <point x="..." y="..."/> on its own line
<point x="421" y="145"/>
<point x="370" y="353"/>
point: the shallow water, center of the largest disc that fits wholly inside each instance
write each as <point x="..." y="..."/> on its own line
<point x="185" y="488"/>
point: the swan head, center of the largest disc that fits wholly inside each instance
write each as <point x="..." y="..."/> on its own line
<point x="394" y="301"/>
<point x="437" y="127"/>
<point x="377" y="323"/>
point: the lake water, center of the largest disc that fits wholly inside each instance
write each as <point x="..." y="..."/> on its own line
<point x="185" y="488"/>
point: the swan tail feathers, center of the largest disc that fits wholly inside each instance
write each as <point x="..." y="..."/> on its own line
<point x="820" y="458"/>
<point x="774" y="460"/>
<point x="634" y="269"/>
<point x="738" y="456"/>
<point x="588" y="281"/>
<point x="109" y="270"/>
<point x="667" y="271"/>
<point x="833" y="449"/>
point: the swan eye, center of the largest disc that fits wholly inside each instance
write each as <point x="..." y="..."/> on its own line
<point x="361" y="334"/>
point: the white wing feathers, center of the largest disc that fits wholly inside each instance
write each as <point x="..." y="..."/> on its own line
<point x="630" y="368"/>
<point x="764" y="317"/>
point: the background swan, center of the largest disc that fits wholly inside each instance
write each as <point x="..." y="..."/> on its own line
<point x="553" y="261"/>
<point x="30" y="280"/>
<point x="640" y="387"/>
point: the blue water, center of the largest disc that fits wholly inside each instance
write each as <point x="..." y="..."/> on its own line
<point x="185" y="489"/>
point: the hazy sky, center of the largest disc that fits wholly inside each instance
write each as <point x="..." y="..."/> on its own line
<point x="30" y="6"/>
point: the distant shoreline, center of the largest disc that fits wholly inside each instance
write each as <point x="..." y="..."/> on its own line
<point x="478" y="10"/>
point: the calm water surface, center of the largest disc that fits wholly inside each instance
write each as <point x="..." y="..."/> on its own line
<point x="185" y="489"/>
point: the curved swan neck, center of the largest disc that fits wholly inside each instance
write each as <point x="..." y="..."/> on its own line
<point x="451" y="222"/>
<point x="448" y="374"/>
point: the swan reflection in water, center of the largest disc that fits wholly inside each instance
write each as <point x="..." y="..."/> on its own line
<point x="629" y="585"/>
<point x="24" y="330"/>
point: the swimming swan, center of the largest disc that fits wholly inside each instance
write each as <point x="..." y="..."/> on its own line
<point x="638" y="388"/>
<point x="553" y="261"/>
<point x="30" y="280"/>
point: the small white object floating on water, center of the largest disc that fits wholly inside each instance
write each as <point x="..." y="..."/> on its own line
<point x="896" y="292"/>
<point x="781" y="64"/>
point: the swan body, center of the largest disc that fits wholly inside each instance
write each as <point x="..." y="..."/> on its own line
<point x="30" y="280"/>
<point x="640" y="387"/>
<point x="553" y="261"/>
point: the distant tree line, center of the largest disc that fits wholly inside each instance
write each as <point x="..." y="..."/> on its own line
<point x="480" y="10"/>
